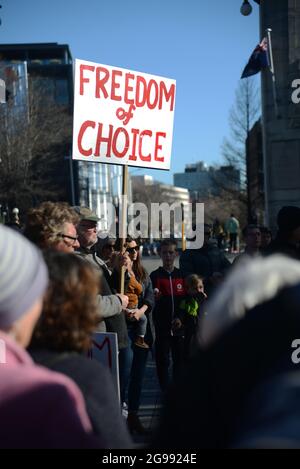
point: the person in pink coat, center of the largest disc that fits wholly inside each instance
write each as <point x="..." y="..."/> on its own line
<point x="38" y="408"/>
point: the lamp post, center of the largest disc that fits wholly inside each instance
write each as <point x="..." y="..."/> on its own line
<point x="246" y="8"/>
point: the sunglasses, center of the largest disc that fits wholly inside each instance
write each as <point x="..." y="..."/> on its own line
<point x="132" y="250"/>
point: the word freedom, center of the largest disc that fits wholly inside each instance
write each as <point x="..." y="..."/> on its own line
<point x="159" y="221"/>
<point x="137" y="90"/>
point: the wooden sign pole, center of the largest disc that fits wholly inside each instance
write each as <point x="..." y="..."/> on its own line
<point x="183" y="240"/>
<point x="123" y="230"/>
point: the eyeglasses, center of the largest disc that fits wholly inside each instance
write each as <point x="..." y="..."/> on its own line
<point x="131" y="250"/>
<point x="72" y="238"/>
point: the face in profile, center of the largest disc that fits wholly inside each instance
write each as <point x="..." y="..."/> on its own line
<point x="133" y="250"/>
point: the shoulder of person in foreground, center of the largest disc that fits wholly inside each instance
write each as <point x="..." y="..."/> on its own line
<point x="272" y="417"/>
<point x="102" y="403"/>
<point x="48" y="411"/>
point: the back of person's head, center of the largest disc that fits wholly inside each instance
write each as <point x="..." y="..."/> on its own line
<point x="250" y="283"/>
<point x="23" y="280"/>
<point x="45" y="223"/>
<point x="70" y="312"/>
<point x="288" y="219"/>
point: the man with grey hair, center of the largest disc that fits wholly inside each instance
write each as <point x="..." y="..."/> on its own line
<point x="87" y="236"/>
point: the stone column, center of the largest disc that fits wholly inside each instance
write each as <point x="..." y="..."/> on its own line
<point x="282" y="134"/>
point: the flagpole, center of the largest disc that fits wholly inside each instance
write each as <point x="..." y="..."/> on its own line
<point x="272" y="70"/>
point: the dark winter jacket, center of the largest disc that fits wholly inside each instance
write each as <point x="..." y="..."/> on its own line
<point x="204" y="262"/>
<point x="97" y="388"/>
<point x="171" y="287"/>
<point x="281" y="246"/>
<point x="109" y="304"/>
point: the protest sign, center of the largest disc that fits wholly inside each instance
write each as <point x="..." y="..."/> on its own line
<point x="122" y="116"/>
<point x="105" y="350"/>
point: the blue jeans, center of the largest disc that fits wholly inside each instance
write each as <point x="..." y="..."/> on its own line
<point x="137" y="372"/>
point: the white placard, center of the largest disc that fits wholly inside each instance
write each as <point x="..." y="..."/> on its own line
<point x="122" y="116"/>
<point x="105" y="350"/>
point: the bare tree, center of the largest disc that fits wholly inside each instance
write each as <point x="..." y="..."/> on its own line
<point x="33" y="141"/>
<point x="242" y="116"/>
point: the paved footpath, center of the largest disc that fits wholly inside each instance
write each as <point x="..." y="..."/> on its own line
<point x="151" y="396"/>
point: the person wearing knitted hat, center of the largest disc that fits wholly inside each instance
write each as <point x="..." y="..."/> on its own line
<point x="38" y="408"/>
<point x="287" y="241"/>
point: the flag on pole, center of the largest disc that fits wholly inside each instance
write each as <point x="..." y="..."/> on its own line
<point x="258" y="61"/>
<point x="2" y="92"/>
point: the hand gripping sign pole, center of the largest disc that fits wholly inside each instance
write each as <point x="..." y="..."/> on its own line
<point x="123" y="228"/>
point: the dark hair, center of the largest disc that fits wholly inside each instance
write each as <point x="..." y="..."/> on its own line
<point x="137" y="267"/>
<point x="248" y="228"/>
<point x="70" y="311"/>
<point x="265" y="230"/>
<point x="167" y="243"/>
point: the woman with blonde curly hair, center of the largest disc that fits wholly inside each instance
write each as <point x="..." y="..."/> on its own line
<point x="63" y="336"/>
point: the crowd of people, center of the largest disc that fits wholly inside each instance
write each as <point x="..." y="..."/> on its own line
<point x="221" y="334"/>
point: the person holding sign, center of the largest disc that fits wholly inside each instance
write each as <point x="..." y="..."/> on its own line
<point x="138" y="355"/>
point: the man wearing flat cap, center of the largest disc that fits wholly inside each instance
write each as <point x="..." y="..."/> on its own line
<point x="111" y="305"/>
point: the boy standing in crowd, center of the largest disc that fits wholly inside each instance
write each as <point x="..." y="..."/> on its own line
<point x="168" y="285"/>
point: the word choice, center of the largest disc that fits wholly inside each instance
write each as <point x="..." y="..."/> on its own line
<point x="119" y="142"/>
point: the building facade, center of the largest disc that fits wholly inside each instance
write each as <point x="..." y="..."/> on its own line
<point x="203" y="181"/>
<point x="49" y="67"/>
<point x="281" y="129"/>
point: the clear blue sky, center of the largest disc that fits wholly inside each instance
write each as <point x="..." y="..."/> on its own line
<point x="204" y="45"/>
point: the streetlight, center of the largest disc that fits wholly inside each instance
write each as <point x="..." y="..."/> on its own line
<point x="246" y="8"/>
